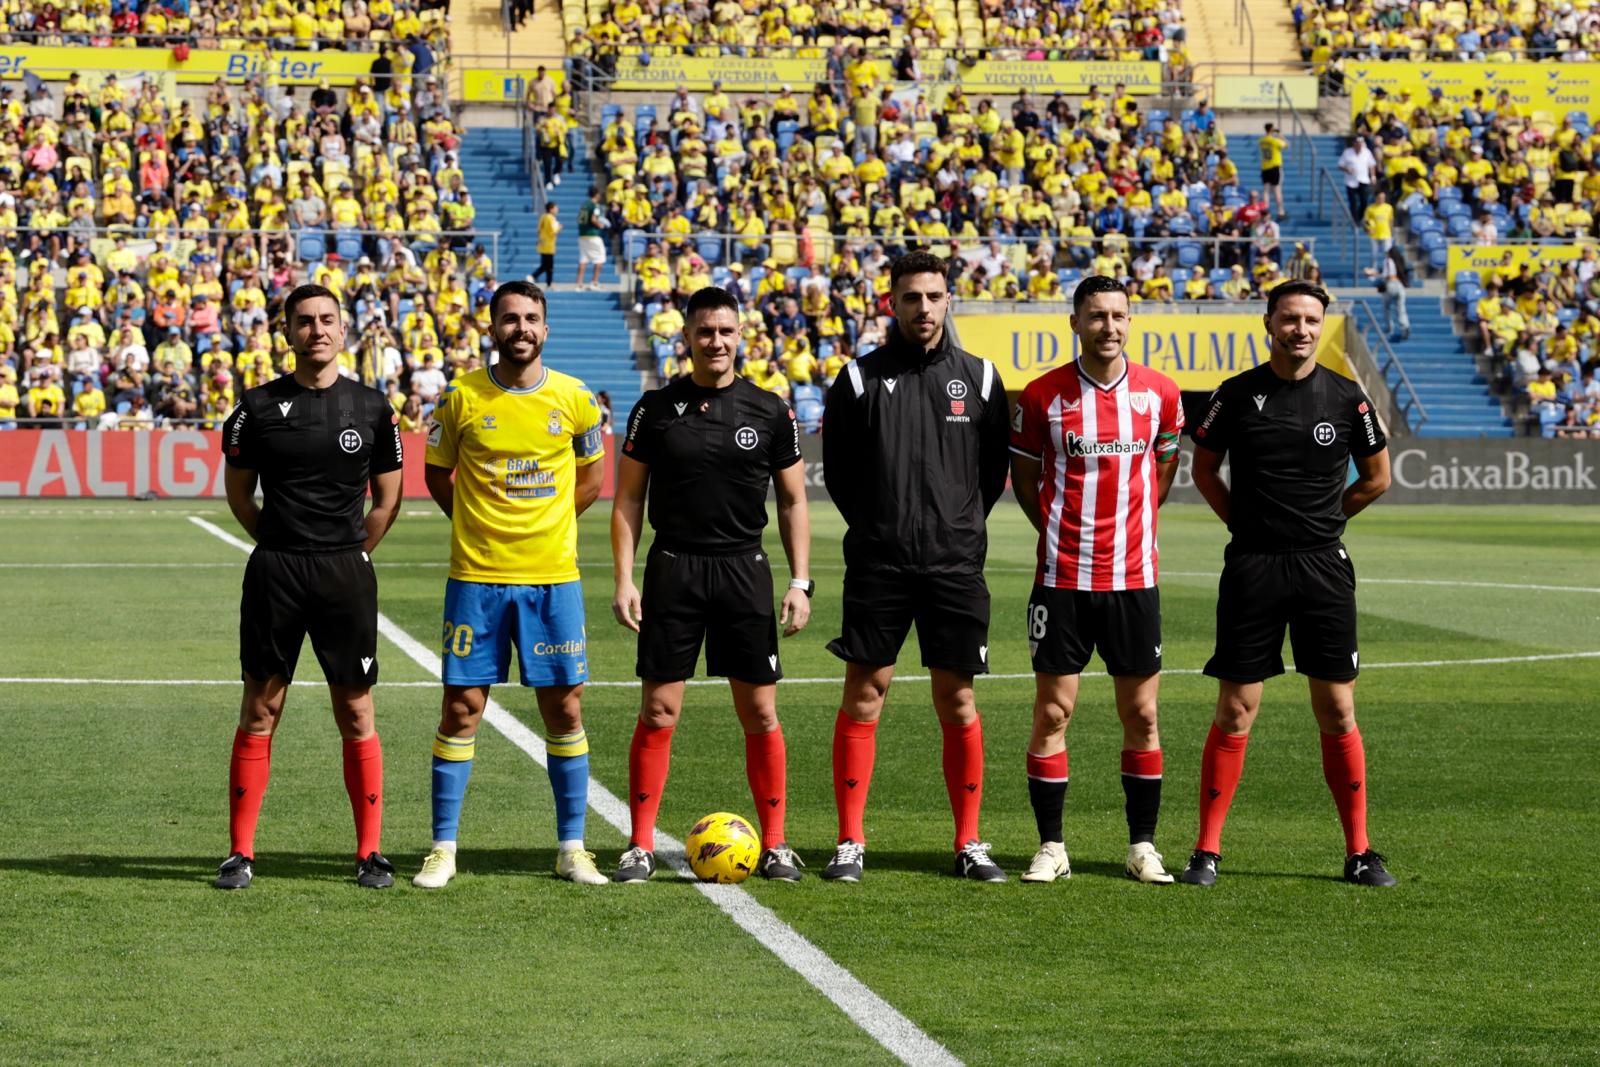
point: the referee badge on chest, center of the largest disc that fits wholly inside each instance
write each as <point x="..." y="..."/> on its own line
<point x="555" y="424"/>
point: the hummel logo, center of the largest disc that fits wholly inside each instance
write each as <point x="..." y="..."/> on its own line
<point x="643" y="797"/>
<point x="772" y="802"/>
<point x="372" y="798"/>
<point x="1260" y="400"/>
<point x="284" y="407"/>
<point x="240" y="791"/>
<point x="773" y="660"/>
<point x="1355" y="787"/>
<point x="851" y="782"/>
<point x="972" y="787"/>
<point x="1158" y="650"/>
<point x="366" y="663"/>
<point x="888" y="383"/>
<point x="680" y="408"/>
<point x="983" y="653"/>
<point x="1213" y="793"/>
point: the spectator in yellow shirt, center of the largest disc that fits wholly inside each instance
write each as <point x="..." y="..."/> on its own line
<point x="549" y="228"/>
<point x="1378" y="221"/>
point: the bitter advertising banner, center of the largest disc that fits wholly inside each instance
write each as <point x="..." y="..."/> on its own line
<point x="1553" y="87"/>
<point x="286" y="68"/>
<point x="1196" y="351"/>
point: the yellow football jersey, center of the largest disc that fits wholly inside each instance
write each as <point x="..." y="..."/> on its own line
<point x="515" y="453"/>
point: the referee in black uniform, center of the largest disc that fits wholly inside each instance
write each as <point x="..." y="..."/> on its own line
<point x="702" y="451"/>
<point x="315" y="441"/>
<point x="1292" y="429"/>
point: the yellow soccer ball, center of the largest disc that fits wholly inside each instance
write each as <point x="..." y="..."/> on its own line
<point x="723" y="847"/>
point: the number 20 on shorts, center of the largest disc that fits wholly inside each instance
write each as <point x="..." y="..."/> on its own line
<point x="457" y="639"/>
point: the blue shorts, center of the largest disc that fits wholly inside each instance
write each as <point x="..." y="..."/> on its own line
<point x="483" y="621"/>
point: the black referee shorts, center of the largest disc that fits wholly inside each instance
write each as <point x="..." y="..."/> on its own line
<point x="725" y="601"/>
<point x="1065" y="626"/>
<point x="332" y="596"/>
<point x="951" y="612"/>
<point x="1312" y="593"/>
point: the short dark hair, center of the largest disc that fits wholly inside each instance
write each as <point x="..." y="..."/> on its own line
<point x="516" y="288"/>
<point x="710" y="298"/>
<point x="916" y="263"/>
<point x="1297" y="288"/>
<point x="1094" y="283"/>
<point x="299" y="295"/>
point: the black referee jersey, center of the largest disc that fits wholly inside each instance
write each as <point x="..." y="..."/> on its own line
<point x="315" y="450"/>
<point x="1289" y="445"/>
<point x="712" y="454"/>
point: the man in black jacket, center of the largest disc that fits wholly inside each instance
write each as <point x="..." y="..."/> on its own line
<point x="914" y="455"/>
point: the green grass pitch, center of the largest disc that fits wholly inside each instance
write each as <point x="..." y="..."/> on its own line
<point x="1484" y="780"/>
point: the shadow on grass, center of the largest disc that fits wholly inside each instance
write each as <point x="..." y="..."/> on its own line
<point x="276" y="865"/>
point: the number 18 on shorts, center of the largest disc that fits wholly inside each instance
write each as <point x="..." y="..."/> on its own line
<point x="1066" y="627"/>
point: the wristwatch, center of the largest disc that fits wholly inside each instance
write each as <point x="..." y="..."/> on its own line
<point x="805" y="585"/>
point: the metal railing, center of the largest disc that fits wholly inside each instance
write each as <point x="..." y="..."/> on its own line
<point x="1386" y="365"/>
<point x="1302" y="148"/>
<point x="146" y="244"/>
<point x="1246" y="37"/>
<point x="1330" y="189"/>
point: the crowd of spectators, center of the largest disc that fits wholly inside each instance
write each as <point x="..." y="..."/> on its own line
<point x="150" y="239"/>
<point x="926" y="38"/>
<point x="1022" y="196"/>
<point x="1500" y="31"/>
<point x="303" y="25"/>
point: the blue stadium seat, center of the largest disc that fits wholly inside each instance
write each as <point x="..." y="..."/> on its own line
<point x="1459" y="227"/>
<point x="652" y="309"/>
<point x="1189" y="253"/>
<point x="1156" y="117"/>
<point x="311" y="247"/>
<point x="1220" y="274"/>
<point x="1567" y="316"/>
<point x="633" y="244"/>
<point x="348" y="245"/>
<point x="1439" y="257"/>
<point x="1068" y="275"/>
<point x="643" y="114"/>
<point x="663" y="349"/>
<point x="809" y="414"/>
<point x="1180" y="276"/>
<point x="797" y="274"/>
<point x="710" y="249"/>
<point x="757" y="272"/>
<point x="1433" y="239"/>
<point x="1464" y="276"/>
<point x="1579" y="118"/>
<point x="721" y="276"/>
<point x="807" y="392"/>
<point x="1421" y="224"/>
<point x="1469" y="293"/>
<point x="1452" y="208"/>
<point x="1449" y="192"/>
<point x="825" y="349"/>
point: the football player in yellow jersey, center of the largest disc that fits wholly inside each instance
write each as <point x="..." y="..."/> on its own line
<point x="513" y="458"/>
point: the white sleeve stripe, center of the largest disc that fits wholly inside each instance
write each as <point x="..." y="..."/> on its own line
<point x="988" y="379"/>
<point x="854" y="370"/>
<point x="1025" y="452"/>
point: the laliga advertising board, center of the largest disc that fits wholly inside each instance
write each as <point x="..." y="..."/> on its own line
<point x="165" y="463"/>
<point x="1196" y="351"/>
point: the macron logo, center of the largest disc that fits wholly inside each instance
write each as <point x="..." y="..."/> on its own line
<point x="983" y="653"/>
<point x="284" y="407"/>
<point x="680" y="408"/>
<point x="773" y="660"/>
<point x="366" y="663"/>
<point x="1260" y="400"/>
<point x="888" y="383"/>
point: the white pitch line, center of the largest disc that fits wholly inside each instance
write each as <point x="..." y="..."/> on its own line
<point x="1448" y="583"/>
<point x="869" y="1011"/>
<point x="1484" y="661"/>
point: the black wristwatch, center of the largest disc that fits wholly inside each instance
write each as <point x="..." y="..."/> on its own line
<point x="805" y="585"/>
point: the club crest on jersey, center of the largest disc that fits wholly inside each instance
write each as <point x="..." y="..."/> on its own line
<point x="1139" y="402"/>
<point x="555" y="424"/>
<point x="745" y="437"/>
<point x="1323" y="433"/>
<point x="350" y="440"/>
<point x="958" y="407"/>
<point x="956" y="389"/>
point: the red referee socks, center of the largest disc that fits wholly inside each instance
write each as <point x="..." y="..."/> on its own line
<point x="363" y="780"/>
<point x="766" y="767"/>
<point x="248" y="772"/>
<point x="1344" y="766"/>
<point x="855" y="745"/>
<point x="1220" y="769"/>
<point x="649" y="756"/>
<point x="963" y="775"/>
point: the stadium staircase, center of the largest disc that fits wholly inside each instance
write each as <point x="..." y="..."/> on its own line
<point x="1455" y="394"/>
<point x="589" y="336"/>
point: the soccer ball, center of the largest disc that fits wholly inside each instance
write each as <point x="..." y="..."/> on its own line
<point x="723" y="848"/>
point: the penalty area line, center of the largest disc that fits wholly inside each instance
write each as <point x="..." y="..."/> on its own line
<point x="869" y="1011"/>
<point x="1484" y="661"/>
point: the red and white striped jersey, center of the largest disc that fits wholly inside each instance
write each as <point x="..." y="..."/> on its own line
<point x="1098" y="446"/>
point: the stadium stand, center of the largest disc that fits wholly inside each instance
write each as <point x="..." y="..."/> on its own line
<point x="157" y="234"/>
<point x="355" y="25"/>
